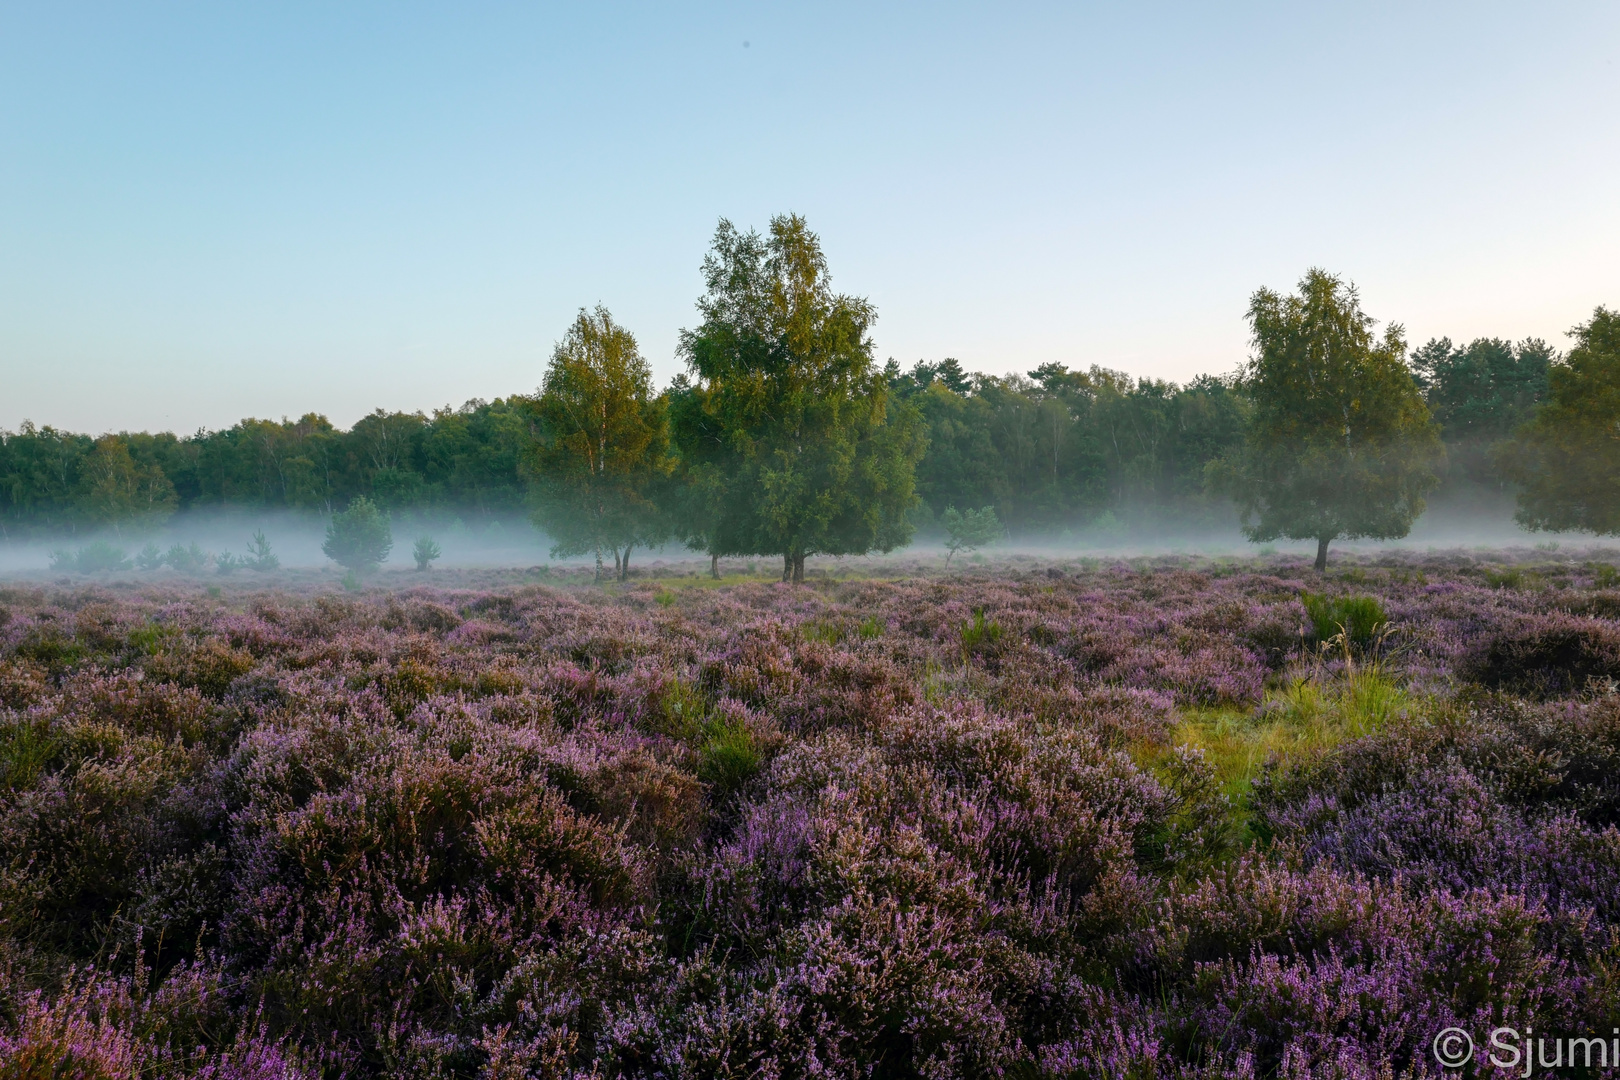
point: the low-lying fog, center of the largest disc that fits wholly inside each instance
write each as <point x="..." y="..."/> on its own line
<point x="296" y="542"/>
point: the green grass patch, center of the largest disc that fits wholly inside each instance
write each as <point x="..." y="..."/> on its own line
<point x="1358" y="617"/>
<point x="1306" y="716"/>
<point x="27" y="747"/>
<point x="152" y="638"/>
<point x="979" y="635"/>
<point x="728" y="757"/>
<point x="827" y="631"/>
<point x="1509" y="577"/>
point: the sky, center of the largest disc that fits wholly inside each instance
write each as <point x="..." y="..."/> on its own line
<point x="216" y="211"/>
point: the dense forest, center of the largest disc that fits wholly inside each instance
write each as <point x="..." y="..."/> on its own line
<point x="1055" y="449"/>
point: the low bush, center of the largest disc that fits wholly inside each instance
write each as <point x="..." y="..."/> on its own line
<point x="1547" y="654"/>
<point x="92" y="558"/>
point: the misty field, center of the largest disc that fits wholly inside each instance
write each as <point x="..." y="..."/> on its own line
<point x="1157" y="818"/>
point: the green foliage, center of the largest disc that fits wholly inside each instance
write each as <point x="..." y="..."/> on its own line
<point x="788" y="424"/>
<point x="778" y="355"/>
<point x="827" y="632"/>
<point x="1339" y="443"/>
<point x="358" y="538"/>
<point x="682" y="711"/>
<point x="1510" y="577"/>
<point x="27" y="746"/>
<point x="424" y="552"/>
<point x="604" y="444"/>
<point x="728" y="756"/>
<point x="119" y="491"/>
<point x="149" y="557"/>
<point x="980" y="635"/>
<point x="1566" y="458"/>
<point x="1605" y="576"/>
<point x="1480" y="395"/>
<point x="870" y="629"/>
<point x="259" y="557"/>
<point x="1359" y="618"/>
<point x="464" y="461"/>
<point x="1063" y="446"/>
<point x="92" y="558"/>
<point x="970" y="531"/>
<point x="187" y="560"/>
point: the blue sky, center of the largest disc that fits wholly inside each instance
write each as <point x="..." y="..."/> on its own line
<point x="216" y="211"/>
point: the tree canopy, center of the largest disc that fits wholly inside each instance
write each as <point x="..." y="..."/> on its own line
<point x="787" y="416"/>
<point x="603" y="443"/>
<point x="1480" y="394"/>
<point x="1567" y="458"/>
<point x="1339" y="441"/>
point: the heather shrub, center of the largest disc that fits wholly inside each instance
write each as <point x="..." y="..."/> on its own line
<point x="99" y="1026"/>
<point x="461" y="831"/>
<point x="210" y="666"/>
<point x="21" y="683"/>
<point x="1547" y="655"/>
<point x="49" y="644"/>
<point x="425" y="860"/>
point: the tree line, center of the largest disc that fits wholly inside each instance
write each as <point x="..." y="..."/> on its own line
<point x="784" y="436"/>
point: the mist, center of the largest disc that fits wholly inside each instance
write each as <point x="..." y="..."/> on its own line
<point x="1472" y="520"/>
<point x="296" y="540"/>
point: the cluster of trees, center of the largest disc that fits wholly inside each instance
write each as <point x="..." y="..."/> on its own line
<point x="464" y="462"/>
<point x="785" y="437"/>
<point x="781" y="438"/>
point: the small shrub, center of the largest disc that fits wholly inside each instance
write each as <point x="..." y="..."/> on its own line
<point x="681" y="712"/>
<point x="150" y="557"/>
<point x="970" y="530"/>
<point x="825" y="631"/>
<point x="424" y="552"/>
<point x="211" y="666"/>
<point x="358" y="538"/>
<point x="93" y="558"/>
<point x="187" y="560"/>
<point x="48" y="645"/>
<point x="259" y="556"/>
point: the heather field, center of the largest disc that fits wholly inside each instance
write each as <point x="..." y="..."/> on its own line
<point x="1035" y="818"/>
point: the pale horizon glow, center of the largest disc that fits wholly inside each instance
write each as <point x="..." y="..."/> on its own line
<point x="209" y="213"/>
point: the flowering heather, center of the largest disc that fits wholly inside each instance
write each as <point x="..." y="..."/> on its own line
<point x="1044" y="820"/>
